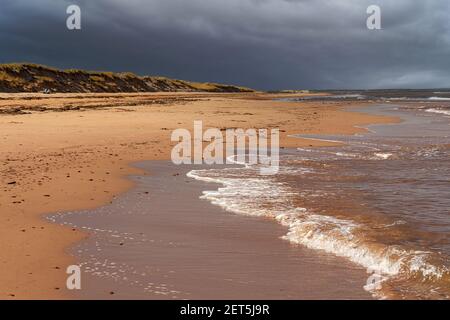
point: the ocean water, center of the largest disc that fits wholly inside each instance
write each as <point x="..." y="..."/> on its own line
<point x="404" y="95"/>
<point x="381" y="200"/>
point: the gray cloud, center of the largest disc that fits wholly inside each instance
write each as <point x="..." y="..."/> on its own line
<point x="266" y="44"/>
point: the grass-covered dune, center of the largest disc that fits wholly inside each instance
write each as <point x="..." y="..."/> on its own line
<point x="28" y="77"/>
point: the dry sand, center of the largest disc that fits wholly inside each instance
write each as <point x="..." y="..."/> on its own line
<point x="69" y="152"/>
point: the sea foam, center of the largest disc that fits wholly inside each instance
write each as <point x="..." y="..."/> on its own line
<point x="244" y="192"/>
<point x="434" y="110"/>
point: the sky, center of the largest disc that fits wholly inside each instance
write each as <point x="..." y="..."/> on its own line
<point x="262" y="44"/>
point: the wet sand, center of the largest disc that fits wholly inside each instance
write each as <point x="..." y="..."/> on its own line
<point x="160" y="241"/>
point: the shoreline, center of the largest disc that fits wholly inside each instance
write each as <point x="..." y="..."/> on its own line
<point x="75" y="158"/>
<point x="170" y="244"/>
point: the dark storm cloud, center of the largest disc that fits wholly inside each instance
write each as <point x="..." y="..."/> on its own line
<point x="266" y="44"/>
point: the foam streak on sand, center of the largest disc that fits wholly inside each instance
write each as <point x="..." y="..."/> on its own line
<point x="435" y="110"/>
<point x="439" y="99"/>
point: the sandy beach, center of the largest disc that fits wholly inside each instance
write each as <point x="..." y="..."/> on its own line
<point x="71" y="151"/>
<point x="179" y="152"/>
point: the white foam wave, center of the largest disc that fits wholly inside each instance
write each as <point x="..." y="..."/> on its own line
<point x="439" y="98"/>
<point x="256" y="196"/>
<point x="346" y="154"/>
<point x="383" y="155"/>
<point x="434" y="110"/>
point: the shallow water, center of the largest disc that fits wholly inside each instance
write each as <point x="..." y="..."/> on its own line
<point x="382" y="200"/>
<point x="160" y="241"/>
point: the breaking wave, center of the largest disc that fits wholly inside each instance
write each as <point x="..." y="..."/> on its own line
<point x="242" y="191"/>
